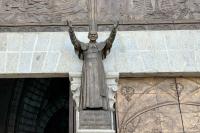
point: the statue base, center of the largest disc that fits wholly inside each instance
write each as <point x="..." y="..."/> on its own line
<point x="95" y="121"/>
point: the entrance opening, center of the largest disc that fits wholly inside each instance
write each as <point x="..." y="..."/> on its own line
<point x="58" y="122"/>
<point x="39" y="105"/>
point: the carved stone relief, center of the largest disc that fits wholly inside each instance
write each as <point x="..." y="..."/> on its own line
<point x="133" y="11"/>
<point x="42" y="11"/>
<point x="133" y="14"/>
<point x="167" y="105"/>
<point x="152" y="106"/>
<point x="189" y="95"/>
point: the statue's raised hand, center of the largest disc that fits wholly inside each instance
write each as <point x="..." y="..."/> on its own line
<point x="116" y="25"/>
<point x="69" y="23"/>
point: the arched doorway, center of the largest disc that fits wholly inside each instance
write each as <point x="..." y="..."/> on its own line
<point x="41" y="106"/>
<point x="58" y="122"/>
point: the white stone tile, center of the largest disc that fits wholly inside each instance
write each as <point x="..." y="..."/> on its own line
<point x="102" y="36"/>
<point x="25" y="63"/>
<point x="3" y="42"/>
<point x="68" y="61"/>
<point x="12" y="62"/>
<point x="132" y="52"/>
<point x="38" y="61"/>
<point x="149" y="61"/>
<point x="129" y="62"/>
<point x="127" y="43"/>
<point x="43" y="41"/>
<point x="158" y="41"/>
<point x="83" y="36"/>
<point x="197" y="59"/>
<point x="109" y="62"/>
<point x="161" y="61"/>
<point x="58" y="42"/>
<point x="142" y="40"/>
<point x="185" y="41"/>
<point x="172" y="40"/>
<point x="196" y="40"/>
<point x="180" y="61"/>
<point x="51" y="60"/>
<point x="2" y="62"/>
<point x="14" y="41"/>
<point x="29" y="40"/>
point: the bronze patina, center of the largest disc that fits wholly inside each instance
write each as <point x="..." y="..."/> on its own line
<point x="94" y="93"/>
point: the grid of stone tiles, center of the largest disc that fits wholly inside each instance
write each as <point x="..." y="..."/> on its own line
<point x="132" y="52"/>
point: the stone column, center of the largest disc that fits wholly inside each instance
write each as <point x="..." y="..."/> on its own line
<point x="95" y="121"/>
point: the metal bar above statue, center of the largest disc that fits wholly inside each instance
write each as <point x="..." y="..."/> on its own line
<point x="92" y="10"/>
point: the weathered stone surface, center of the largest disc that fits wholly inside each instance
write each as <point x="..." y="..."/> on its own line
<point x="51" y="15"/>
<point x="140" y="52"/>
<point x="148" y="10"/>
<point x="95" y="120"/>
<point x="158" y="105"/>
<point x="148" y="105"/>
<point x="42" y="11"/>
<point x="189" y="95"/>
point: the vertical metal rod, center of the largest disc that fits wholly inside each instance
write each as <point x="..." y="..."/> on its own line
<point x="92" y="6"/>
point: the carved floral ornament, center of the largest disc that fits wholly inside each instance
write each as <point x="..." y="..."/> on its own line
<point x="127" y="92"/>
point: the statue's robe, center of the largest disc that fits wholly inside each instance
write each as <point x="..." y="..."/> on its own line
<point x="93" y="86"/>
<point x="94" y="91"/>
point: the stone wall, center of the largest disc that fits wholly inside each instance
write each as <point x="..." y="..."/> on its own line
<point x="51" y="15"/>
<point x="133" y="53"/>
<point x="168" y="105"/>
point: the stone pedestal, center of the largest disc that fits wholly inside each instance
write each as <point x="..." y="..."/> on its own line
<point x="95" y="121"/>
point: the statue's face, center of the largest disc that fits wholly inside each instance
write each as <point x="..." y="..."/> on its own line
<point x="93" y="36"/>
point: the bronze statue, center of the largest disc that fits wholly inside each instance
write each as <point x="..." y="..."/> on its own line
<point x="94" y="93"/>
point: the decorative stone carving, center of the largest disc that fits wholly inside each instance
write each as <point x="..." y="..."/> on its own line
<point x="159" y="105"/>
<point x="112" y="83"/>
<point x="153" y="107"/>
<point x="111" y="80"/>
<point x="75" y="79"/>
<point x="142" y="12"/>
<point x="42" y="11"/>
<point x="149" y="11"/>
<point x="127" y="92"/>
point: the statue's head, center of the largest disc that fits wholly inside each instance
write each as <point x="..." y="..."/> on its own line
<point x="93" y="36"/>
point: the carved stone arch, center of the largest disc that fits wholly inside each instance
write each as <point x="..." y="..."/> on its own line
<point x="34" y="102"/>
<point x="48" y="112"/>
<point x="134" y="120"/>
<point x="14" y="105"/>
<point x="30" y="102"/>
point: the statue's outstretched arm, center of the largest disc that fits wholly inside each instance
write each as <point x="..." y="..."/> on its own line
<point x="74" y="40"/>
<point x="111" y="38"/>
<point x="76" y="43"/>
<point x="108" y="43"/>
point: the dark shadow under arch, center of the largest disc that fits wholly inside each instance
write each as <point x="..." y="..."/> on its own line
<point x="40" y="105"/>
<point x="58" y="122"/>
